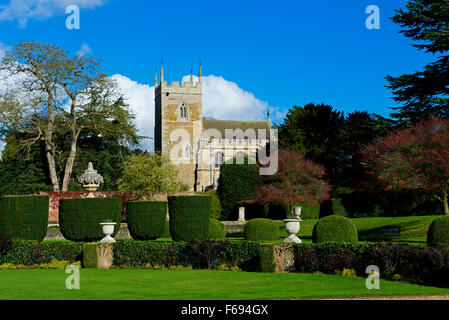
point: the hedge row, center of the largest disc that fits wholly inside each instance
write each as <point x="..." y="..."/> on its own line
<point x="189" y="217"/>
<point x="24" y="217"/>
<point x="418" y="264"/>
<point x="414" y="263"/>
<point x="146" y="219"/>
<point x="30" y="252"/>
<point x="137" y="254"/>
<point x="79" y="219"/>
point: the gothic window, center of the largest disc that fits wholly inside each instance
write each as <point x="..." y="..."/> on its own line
<point x="183" y="111"/>
<point x="218" y="160"/>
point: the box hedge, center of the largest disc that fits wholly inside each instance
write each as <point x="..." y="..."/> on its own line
<point x="261" y="229"/>
<point x="217" y="230"/>
<point x="334" y="229"/>
<point x="146" y="219"/>
<point x="438" y="232"/>
<point x="79" y="219"/>
<point x="138" y="254"/>
<point x="24" y="217"/>
<point x="30" y="252"/>
<point x="189" y="217"/>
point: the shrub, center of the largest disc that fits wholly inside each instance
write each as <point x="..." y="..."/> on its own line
<point x="261" y="230"/>
<point x="236" y="182"/>
<point x="140" y="254"/>
<point x="90" y="256"/>
<point x="189" y="217"/>
<point x="438" y="233"/>
<point x="217" y="230"/>
<point x="29" y="252"/>
<point x="334" y="229"/>
<point x="146" y="219"/>
<point x="24" y="217"/>
<point x="79" y="219"/>
<point x="215" y="204"/>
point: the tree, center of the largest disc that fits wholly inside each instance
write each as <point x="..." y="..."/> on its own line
<point x="424" y="93"/>
<point x="54" y="92"/>
<point x="315" y="131"/>
<point x="359" y="129"/>
<point x="235" y="183"/>
<point x="148" y="173"/>
<point x="297" y="180"/>
<point x="415" y="158"/>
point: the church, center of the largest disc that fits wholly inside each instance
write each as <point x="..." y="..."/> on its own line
<point x="198" y="146"/>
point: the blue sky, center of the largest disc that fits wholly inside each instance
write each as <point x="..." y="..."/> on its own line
<point x="283" y="52"/>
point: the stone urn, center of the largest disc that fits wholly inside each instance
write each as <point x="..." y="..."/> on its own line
<point x="292" y="226"/>
<point x="90" y="180"/>
<point x="108" y="230"/>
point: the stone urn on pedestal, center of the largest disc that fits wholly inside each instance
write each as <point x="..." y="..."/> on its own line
<point x="292" y="226"/>
<point x="90" y="180"/>
<point x="108" y="230"/>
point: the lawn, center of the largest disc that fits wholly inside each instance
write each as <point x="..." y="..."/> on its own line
<point x="412" y="229"/>
<point x="193" y="284"/>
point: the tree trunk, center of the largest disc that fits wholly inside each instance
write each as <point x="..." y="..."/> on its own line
<point x="445" y="203"/>
<point x="51" y="165"/>
<point x="49" y="143"/>
<point x="71" y="159"/>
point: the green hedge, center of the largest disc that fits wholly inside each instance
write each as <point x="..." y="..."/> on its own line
<point x="189" y="217"/>
<point x="138" y="254"/>
<point x="29" y="252"/>
<point x="90" y="256"/>
<point x="334" y="229"/>
<point x="146" y="219"/>
<point x="438" y="232"/>
<point x="217" y="230"/>
<point x="261" y="230"/>
<point x="79" y="219"/>
<point x="414" y="263"/>
<point x="24" y="217"/>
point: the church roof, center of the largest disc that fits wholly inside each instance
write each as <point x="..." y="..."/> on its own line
<point x="222" y="125"/>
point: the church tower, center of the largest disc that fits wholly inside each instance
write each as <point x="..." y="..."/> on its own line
<point x="178" y="123"/>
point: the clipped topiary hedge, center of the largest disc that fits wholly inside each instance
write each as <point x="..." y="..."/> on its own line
<point x="79" y="219"/>
<point x="24" y="217"/>
<point x="438" y="233"/>
<point x="29" y="252"/>
<point x="217" y="230"/>
<point x="189" y="217"/>
<point x="261" y="229"/>
<point x="146" y="219"/>
<point x="335" y="229"/>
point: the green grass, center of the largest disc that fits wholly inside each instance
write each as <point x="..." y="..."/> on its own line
<point x="412" y="229"/>
<point x="193" y="284"/>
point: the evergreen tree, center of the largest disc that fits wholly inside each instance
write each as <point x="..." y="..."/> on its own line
<point x="424" y="93"/>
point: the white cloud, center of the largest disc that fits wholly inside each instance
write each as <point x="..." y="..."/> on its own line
<point x="225" y="100"/>
<point x="140" y="97"/>
<point x="222" y="99"/>
<point x="23" y="10"/>
<point x="85" y="49"/>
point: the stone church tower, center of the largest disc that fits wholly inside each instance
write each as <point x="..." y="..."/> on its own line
<point x="182" y="133"/>
<point x="178" y="123"/>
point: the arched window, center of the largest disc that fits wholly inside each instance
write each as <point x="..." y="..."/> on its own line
<point x="218" y="160"/>
<point x="183" y="111"/>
